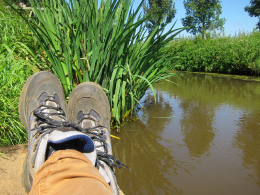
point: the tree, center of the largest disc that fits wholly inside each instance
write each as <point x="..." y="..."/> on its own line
<point x="202" y="15"/>
<point x="159" y="9"/>
<point x="254" y="10"/>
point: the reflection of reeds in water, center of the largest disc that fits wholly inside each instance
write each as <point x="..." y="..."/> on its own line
<point x="141" y="150"/>
<point x="213" y="90"/>
<point x="197" y="116"/>
<point x="197" y="126"/>
<point x="247" y="139"/>
<point x="198" y="104"/>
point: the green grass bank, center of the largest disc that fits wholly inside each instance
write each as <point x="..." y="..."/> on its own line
<point x="106" y="44"/>
<point x="18" y="59"/>
<point x="123" y="60"/>
<point x="239" y="54"/>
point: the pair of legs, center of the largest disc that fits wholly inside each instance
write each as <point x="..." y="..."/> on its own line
<point x="69" y="149"/>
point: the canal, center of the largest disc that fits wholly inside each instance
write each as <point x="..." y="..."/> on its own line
<point x="201" y="137"/>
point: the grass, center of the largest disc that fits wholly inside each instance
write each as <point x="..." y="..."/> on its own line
<point x="11" y="130"/>
<point x="17" y="63"/>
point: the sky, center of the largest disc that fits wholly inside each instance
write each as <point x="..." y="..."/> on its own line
<point x="237" y="20"/>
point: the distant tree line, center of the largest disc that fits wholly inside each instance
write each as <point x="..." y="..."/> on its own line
<point x="160" y="11"/>
<point x="254" y="10"/>
<point x="201" y="15"/>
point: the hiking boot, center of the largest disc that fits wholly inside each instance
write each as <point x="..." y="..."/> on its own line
<point x="42" y="110"/>
<point x="88" y="107"/>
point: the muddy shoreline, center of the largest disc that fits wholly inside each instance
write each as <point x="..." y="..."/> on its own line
<point x="11" y="168"/>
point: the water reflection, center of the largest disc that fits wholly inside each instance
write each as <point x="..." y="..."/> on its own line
<point x="248" y="139"/>
<point x="197" y="126"/>
<point x="211" y="147"/>
<point x="147" y="158"/>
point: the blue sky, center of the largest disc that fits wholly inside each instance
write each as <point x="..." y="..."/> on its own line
<point x="237" y="20"/>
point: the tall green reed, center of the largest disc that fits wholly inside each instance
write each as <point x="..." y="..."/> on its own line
<point x="107" y="44"/>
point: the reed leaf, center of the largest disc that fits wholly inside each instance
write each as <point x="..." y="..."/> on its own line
<point x="107" y="44"/>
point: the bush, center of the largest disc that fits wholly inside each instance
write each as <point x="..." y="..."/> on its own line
<point x="230" y="55"/>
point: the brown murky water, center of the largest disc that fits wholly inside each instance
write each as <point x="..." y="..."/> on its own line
<point x="209" y="144"/>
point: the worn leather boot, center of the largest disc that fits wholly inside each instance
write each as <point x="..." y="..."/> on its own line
<point x="88" y="107"/>
<point x="42" y="110"/>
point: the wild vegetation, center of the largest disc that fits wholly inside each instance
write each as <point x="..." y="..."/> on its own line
<point x="15" y="66"/>
<point x="107" y="44"/>
<point x="220" y="54"/>
<point x="11" y="130"/>
<point x="80" y="42"/>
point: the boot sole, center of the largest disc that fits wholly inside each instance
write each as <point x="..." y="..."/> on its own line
<point x="25" y="177"/>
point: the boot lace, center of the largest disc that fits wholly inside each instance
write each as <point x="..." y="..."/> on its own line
<point x="46" y="124"/>
<point x="45" y="119"/>
<point x="97" y="134"/>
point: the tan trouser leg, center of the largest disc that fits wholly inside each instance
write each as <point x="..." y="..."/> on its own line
<point x="69" y="172"/>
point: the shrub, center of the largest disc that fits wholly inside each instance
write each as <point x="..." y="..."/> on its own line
<point x="231" y="55"/>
